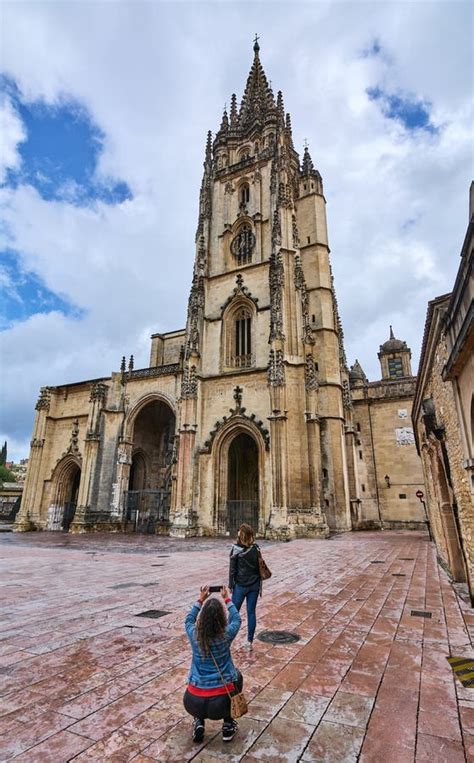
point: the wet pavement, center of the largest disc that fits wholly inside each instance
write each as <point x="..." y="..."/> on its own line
<point x="83" y="678"/>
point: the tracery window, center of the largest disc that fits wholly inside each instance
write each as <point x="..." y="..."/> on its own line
<point x="243" y="244"/>
<point x="244" y="194"/>
<point x="239" y="337"/>
<point x="242" y="338"/>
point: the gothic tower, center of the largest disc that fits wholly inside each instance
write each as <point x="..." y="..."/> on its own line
<point x="261" y="425"/>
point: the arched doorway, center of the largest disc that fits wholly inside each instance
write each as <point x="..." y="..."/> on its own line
<point x="147" y="501"/>
<point x="67" y="481"/>
<point x="242" y="503"/>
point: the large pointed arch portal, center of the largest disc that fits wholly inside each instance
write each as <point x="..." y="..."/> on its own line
<point x="239" y="484"/>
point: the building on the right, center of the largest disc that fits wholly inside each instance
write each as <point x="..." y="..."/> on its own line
<point x="443" y="417"/>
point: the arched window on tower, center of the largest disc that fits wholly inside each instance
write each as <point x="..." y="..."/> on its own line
<point x="244" y="194"/>
<point x="243" y="244"/>
<point x="238" y="331"/>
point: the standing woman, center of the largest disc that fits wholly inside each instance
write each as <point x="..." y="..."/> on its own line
<point x="244" y="577"/>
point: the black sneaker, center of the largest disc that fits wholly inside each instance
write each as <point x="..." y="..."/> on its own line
<point x="198" y="730"/>
<point x="229" y="731"/>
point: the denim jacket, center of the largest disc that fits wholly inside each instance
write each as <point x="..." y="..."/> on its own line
<point x="203" y="672"/>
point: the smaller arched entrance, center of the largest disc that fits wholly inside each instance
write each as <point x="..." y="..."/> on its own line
<point x="66" y="490"/>
<point x="239" y="484"/>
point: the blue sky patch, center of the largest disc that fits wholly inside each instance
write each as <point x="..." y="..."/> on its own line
<point x="23" y="294"/>
<point x="61" y="152"/>
<point x="413" y="114"/>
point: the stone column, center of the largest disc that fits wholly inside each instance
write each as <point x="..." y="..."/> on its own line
<point x="183" y="520"/>
<point x="91" y="447"/>
<point x="28" y="517"/>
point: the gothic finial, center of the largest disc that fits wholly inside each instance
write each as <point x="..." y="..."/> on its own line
<point x="122" y="364"/>
<point x="280" y="105"/>
<point x="392" y="335"/>
<point x="256" y="46"/>
<point x="225" y="121"/>
<point x="209" y="146"/>
<point x="233" y="110"/>
<point x="130" y="364"/>
<point x="288" y="122"/>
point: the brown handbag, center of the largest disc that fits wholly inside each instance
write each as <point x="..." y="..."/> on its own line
<point x="238" y="703"/>
<point x="265" y="571"/>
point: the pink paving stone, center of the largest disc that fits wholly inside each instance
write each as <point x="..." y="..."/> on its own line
<point x="121" y="679"/>
<point x="334" y="743"/>
<point x="431" y="748"/>
<point x="61" y="746"/>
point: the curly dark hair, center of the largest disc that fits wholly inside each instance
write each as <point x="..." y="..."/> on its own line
<point x="211" y="624"/>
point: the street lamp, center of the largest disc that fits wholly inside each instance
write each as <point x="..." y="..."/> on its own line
<point x="387" y="480"/>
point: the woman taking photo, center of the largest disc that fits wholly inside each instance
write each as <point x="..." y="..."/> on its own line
<point x="212" y="625"/>
<point x="244" y="577"/>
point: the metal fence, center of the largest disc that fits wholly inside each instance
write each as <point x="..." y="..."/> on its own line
<point x="235" y="514"/>
<point x="146" y="508"/>
<point x="60" y="517"/>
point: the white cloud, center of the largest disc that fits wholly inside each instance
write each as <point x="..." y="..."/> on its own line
<point x="12" y="133"/>
<point x="154" y="77"/>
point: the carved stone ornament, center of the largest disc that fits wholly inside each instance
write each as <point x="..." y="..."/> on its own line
<point x="189" y="386"/>
<point x="44" y="400"/>
<point x="276" y="369"/>
<point x="277" y="278"/>
<point x="310" y="374"/>
<point x="99" y="393"/>
<point x="296" y="238"/>
<point x="240" y="289"/>
<point x="228" y="187"/>
<point x="195" y="306"/>
<point x="346" y="394"/>
<point x="276" y="230"/>
<point x="273" y="178"/>
<point x="338" y="326"/>
<point x="73" y="448"/>
<point x="237" y="411"/>
<point x="300" y="285"/>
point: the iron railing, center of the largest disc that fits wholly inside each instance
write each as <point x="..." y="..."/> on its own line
<point x="146" y="508"/>
<point x="235" y="514"/>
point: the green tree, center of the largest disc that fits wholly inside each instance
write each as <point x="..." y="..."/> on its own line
<point x="6" y="475"/>
<point x="3" y="454"/>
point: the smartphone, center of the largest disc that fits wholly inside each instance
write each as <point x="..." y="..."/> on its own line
<point x="215" y="588"/>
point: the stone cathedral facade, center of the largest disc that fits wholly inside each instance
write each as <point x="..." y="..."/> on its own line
<point x="244" y="415"/>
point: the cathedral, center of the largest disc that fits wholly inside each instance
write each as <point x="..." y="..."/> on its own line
<point x="250" y="412"/>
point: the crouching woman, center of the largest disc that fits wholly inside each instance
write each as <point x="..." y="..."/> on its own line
<point x="211" y="625"/>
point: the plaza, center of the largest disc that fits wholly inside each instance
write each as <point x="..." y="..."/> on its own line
<point x="84" y="677"/>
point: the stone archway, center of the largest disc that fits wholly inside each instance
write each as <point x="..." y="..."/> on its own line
<point x="239" y="485"/>
<point x="66" y="482"/>
<point x="148" y="497"/>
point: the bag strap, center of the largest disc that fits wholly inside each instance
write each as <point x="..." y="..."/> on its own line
<point x="220" y="673"/>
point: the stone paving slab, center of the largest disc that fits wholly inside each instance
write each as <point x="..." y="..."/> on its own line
<point x="83" y="678"/>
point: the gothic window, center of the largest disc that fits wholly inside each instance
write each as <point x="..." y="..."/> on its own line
<point x="395" y="368"/>
<point x="244" y="194"/>
<point x="242" y="338"/>
<point x="243" y="244"/>
<point x="244" y="153"/>
<point x="238" y="337"/>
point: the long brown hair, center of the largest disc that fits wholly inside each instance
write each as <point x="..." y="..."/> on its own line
<point x="211" y="624"/>
<point x="245" y="535"/>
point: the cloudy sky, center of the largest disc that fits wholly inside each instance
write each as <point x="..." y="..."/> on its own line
<point x="104" y="114"/>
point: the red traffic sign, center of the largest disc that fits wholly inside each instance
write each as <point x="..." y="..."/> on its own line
<point x="419" y="494"/>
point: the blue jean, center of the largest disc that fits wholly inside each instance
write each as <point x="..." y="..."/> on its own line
<point x="250" y="593"/>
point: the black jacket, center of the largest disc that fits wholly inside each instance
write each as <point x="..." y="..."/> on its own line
<point x="244" y="569"/>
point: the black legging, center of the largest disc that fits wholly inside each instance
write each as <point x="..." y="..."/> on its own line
<point x="214" y="708"/>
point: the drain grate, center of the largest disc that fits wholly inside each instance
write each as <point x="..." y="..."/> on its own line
<point x="398" y="575"/>
<point x="377" y="562"/>
<point x="278" y="637"/>
<point x="157" y="565"/>
<point x="406" y="558"/>
<point x="463" y="668"/>
<point x="125" y="585"/>
<point x="153" y="613"/>
<point x="420" y="613"/>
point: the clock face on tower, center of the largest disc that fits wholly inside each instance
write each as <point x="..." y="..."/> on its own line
<point x="243" y="244"/>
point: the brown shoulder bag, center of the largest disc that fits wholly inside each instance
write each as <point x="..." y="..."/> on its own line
<point x="238" y="703"/>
